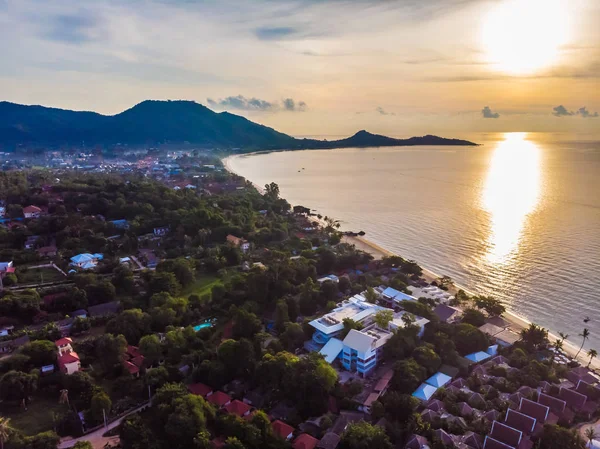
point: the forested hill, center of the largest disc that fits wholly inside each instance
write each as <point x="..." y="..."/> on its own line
<point x="165" y="122"/>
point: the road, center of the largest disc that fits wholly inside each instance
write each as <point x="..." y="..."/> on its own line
<point x="96" y="438"/>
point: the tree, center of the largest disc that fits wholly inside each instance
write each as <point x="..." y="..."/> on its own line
<point x="408" y="375"/>
<point x="99" y="406"/>
<point x="535" y="337"/>
<point x="469" y="339"/>
<point x="371" y="295"/>
<point x="80" y="325"/>
<point x="281" y="315"/>
<point x="151" y="348"/>
<point x="81" y="386"/>
<point x="272" y="191"/>
<point x="136" y="434"/>
<point x="556" y="437"/>
<point x="426" y="356"/>
<point x="245" y="324"/>
<point x="474" y="317"/>
<point x="492" y="306"/>
<point x="592" y="353"/>
<point x="40" y="352"/>
<point x="17" y="386"/>
<point x="163" y="282"/>
<point x="110" y="350"/>
<point x="100" y="292"/>
<point x="233" y="443"/>
<point x="585" y="335"/>
<point x="591" y="435"/>
<point x="156" y="377"/>
<point x="5" y="430"/>
<point x="292" y="337"/>
<point x="399" y="407"/>
<point x="133" y="324"/>
<point x="83" y="445"/>
<point x="187" y="420"/>
<point x="383" y="318"/>
<point x="362" y="435"/>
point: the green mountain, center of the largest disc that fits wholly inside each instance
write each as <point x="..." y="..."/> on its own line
<point x="165" y="122"/>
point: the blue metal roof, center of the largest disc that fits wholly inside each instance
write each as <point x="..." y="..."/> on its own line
<point x="438" y="380"/>
<point x="478" y="356"/>
<point x="424" y="392"/>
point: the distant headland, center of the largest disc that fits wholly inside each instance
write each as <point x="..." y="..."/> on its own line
<point x="168" y="123"/>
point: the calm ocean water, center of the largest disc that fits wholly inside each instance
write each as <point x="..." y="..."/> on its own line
<point x="517" y="218"/>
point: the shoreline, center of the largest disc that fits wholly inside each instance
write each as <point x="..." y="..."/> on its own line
<point x="516" y="322"/>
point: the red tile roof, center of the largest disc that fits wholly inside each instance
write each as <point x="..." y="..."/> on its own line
<point x="519" y="421"/>
<point x="219" y="398"/>
<point x="133" y="351"/>
<point x="506" y="434"/>
<point x="31" y="209"/>
<point x="238" y="408"/>
<point x="535" y="410"/>
<point x="131" y="367"/>
<point x="63" y="341"/>
<point x="305" y="441"/>
<point x="554" y="404"/>
<point x="282" y="429"/>
<point x="572" y="398"/>
<point x="69" y="357"/>
<point x="200" y="389"/>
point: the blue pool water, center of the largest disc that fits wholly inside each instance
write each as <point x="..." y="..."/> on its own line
<point x="202" y="326"/>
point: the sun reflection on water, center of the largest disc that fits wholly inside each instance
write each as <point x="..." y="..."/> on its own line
<point x="511" y="193"/>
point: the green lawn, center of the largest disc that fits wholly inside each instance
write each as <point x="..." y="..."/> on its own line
<point x="39" y="416"/>
<point x="45" y="274"/>
<point x="202" y="286"/>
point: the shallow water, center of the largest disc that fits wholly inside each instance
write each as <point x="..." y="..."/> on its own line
<point x="517" y="218"/>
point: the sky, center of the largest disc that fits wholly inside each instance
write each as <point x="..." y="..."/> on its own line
<point x="316" y="67"/>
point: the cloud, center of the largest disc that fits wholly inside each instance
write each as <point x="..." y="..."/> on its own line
<point x="256" y="104"/>
<point x="290" y="105"/>
<point x="583" y="112"/>
<point x="561" y="111"/>
<point x="383" y="111"/>
<point x="71" y="28"/>
<point x="488" y="113"/>
<point x="274" y="33"/>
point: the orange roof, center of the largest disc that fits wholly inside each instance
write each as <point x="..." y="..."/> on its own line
<point x="305" y="441"/>
<point x="237" y="408"/>
<point x="199" y="389"/>
<point x="219" y="398"/>
<point x="63" y="341"/>
<point x="282" y="429"/>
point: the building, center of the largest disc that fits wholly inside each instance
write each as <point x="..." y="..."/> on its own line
<point x="328" y="278"/>
<point x="305" y="441"/>
<point x="133" y="360"/>
<point x="238" y="408"/>
<point x="392" y="297"/>
<point x="64" y="345"/>
<point x="2" y="211"/>
<point x="47" y="251"/>
<point x="162" y="231"/>
<point x="362" y="349"/>
<point x="219" y="399"/>
<point x="106" y="309"/>
<point x="200" y="389"/>
<point x="282" y="430"/>
<point x="6" y="266"/>
<point x="69" y="363"/>
<point x="120" y="224"/>
<point x="32" y="212"/>
<point x="86" y="261"/>
<point x="242" y="244"/>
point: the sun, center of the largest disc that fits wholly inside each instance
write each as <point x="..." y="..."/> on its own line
<point x="524" y="36"/>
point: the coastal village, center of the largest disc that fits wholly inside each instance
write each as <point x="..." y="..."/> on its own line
<point x="167" y="303"/>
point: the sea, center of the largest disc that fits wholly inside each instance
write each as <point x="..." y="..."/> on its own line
<point x="516" y="218"/>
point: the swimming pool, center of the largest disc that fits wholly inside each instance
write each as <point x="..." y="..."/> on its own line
<point x="204" y="325"/>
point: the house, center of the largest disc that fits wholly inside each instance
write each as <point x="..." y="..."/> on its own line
<point x="424" y="392"/>
<point x="200" y="389"/>
<point x="69" y="362"/>
<point x="417" y="442"/>
<point x="2" y="211"/>
<point x="445" y="313"/>
<point x="5" y="267"/>
<point x="391" y="297"/>
<point x="520" y="421"/>
<point x="32" y="212"/>
<point x="64" y="345"/>
<point x="106" y="309"/>
<point x="509" y="437"/>
<point x="238" y="408"/>
<point x="329" y="278"/>
<point x="438" y="380"/>
<point x="31" y="241"/>
<point x="345" y="419"/>
<point x="329" y="441"/>
<point x="305" y="441"/>
<point x="133" y="360"/>
<point x="161" y="231"/>
<point x="242" y="244"/>
<point x="254" y="398"/>
<point x="282" y="430"/>
<point x="120" y="224"/>
<point x="86" y="261"/>
<point x="219" y="399"/>
<point x="47" y="251"/>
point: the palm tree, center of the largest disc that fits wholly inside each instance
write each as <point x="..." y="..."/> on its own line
<point x="585" y="335"/>
<point x="563" y="337"/>
<point x="590" y="434"/>
<point x="558" y="345"/>
<point x="4" y="430"/>
<point x="592" y="353"/>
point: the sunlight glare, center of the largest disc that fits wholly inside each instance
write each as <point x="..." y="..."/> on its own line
<point x="523" y="36"/>
<point x="511" y="193"/>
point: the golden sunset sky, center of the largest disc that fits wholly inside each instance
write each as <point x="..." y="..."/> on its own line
<point x="316" y="67"/>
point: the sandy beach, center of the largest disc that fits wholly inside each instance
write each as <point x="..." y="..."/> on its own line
<point x="517" y="323"/>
